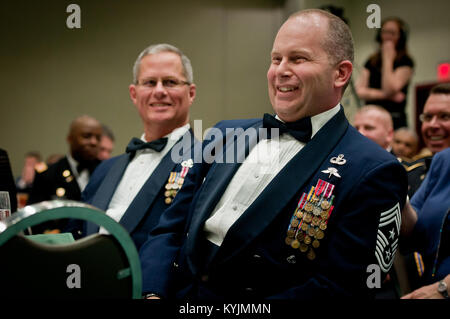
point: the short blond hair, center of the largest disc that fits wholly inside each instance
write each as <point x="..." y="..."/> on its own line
<point x="380" y="110"/>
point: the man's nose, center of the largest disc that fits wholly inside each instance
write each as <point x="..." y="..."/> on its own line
<point x="434" y="121"/>
<point x="284" y="69"/>
<point x="94" y="140"/>
<point x="159" y="89"/>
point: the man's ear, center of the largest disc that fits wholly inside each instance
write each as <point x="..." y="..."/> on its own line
<point x="343" y="73"/>
<point x="132" y="90"/>
<point x="390" y="136"/>
<point x="192" y="92"/>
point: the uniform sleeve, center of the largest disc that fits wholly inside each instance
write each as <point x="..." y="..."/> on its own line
<point x="162" y="248"/>
<point x="159" y="253"/>
<point x="429" y="182"/>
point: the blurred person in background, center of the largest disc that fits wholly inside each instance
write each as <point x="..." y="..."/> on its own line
<point x="405" y="143"/>
<point x="375" y="123"/>
<point x="106" y="143"/>
<point x="68" y="177"/>
<point x="387" y="73"/>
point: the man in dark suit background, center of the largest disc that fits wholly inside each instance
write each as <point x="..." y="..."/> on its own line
<point x="136" y="187"/>
<point x="68" y="177"/>
<point x="303" y="216"/>
<point x="7" y="180"/>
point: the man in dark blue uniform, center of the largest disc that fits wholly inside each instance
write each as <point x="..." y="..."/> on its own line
<point x="427" y="228"/>
<point x="298" y="215"/>
<point x="136" y="187"/>
<point x="436" y="135"/>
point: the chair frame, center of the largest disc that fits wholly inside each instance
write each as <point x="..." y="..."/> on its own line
<point x="32" y="215"/>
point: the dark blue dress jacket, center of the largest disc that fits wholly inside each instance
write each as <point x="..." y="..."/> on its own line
<point x="254" y="261"/>
<point x="432" y="230"/>
<point x="145" y="210"/>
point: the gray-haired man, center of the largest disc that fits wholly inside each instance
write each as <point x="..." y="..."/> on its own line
<point x="136" y="187"/>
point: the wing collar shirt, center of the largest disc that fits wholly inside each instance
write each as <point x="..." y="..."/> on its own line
<point x="136" y="174"/>
<point x="263" y="163"/>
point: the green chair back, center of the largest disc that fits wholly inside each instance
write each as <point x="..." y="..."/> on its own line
<point x="98" y="266"/>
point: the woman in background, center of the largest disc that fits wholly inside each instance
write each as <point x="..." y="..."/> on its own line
<point x="387" y="73"/>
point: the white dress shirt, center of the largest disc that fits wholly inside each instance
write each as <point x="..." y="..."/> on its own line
<point x="136" y="174"/>
<point x="263" y="163"/>
<point x="82" y="177"/>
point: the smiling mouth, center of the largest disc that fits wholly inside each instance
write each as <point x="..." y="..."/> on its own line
<point x="436" y="137"/>
<point x="285" y="89"/>
<point x="160" y="104"/>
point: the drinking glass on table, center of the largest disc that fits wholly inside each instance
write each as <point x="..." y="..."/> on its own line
<point x="5" y="205"/>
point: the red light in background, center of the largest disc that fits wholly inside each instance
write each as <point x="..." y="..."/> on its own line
<point x="444" y="71"/>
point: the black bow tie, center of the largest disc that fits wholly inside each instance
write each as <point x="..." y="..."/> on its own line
<point x="90" y="166"/>
<point x="300" y="130"/>
<point x="137" y="144"/>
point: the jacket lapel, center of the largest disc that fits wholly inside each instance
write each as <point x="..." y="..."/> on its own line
<point x="107" y="188"/>
<point x="150" y="190"/>
<point x="72" y="190"/>
<point x="309" y="159"/>
<point x="112" y="179"/>
<point x="218" y="179"/>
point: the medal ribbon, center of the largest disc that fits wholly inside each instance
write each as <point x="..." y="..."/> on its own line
<point x="177" y="177"/>
<point x="310" y="193"/>
<point x="329" y="190"/>
<point x="184" y="171"/>
<point x="172" y="177"/>
<point x="301" y="202"/>
<point x="320" y="187"/>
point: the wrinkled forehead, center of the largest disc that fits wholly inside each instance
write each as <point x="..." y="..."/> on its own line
<point x="437" y="103"/>
<point x="310" y="27"/>
<point x="161" y="64"/>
